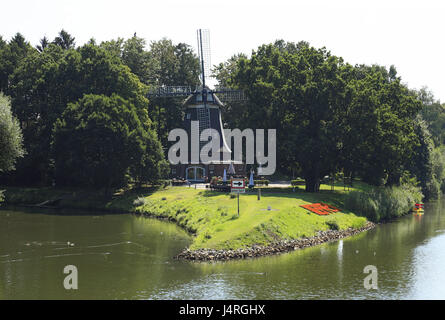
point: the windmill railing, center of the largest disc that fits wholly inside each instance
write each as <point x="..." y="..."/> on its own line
<point x="171" y="91"/>
<point x="230" y="95"/>
<point x="224" y="94"/>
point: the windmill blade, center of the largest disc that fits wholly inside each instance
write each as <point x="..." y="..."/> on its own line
<point x="171" y="91"/>
<point x="203" y="36"/>
<point x="230" y="95"/>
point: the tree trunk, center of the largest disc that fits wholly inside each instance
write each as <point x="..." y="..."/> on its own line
<point x="312" y="178"/>
<point x="312" y="184"/>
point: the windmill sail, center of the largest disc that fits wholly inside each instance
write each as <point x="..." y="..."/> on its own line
<point x="204" y="54"/>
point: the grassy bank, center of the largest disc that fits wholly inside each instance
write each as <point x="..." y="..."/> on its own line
<point x="213" y="217"/>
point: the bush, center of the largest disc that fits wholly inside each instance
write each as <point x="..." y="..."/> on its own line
<point x="333" y="225"/>
<point x="383" y="203"/>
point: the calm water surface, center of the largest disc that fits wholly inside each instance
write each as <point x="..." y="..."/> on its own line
<point x="122" y="256"/>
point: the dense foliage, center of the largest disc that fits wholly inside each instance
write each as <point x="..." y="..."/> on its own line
<point x="100" y="141"/>
<point x="330" y="116"/>
<point x="46" y="81"/>
<point x="11" y="140"/>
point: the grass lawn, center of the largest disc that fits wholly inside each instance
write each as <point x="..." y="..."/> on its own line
<point x="213" y="217"/>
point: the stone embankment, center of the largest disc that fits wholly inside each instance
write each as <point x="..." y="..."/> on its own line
<point x="273" y="248"/>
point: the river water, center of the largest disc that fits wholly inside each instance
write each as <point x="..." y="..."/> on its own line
<point x="123" y="256"/>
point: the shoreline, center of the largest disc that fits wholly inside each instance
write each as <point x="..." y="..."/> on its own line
<point x="278" y="247"/>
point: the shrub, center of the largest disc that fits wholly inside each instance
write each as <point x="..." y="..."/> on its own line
<point x="333" y="225"/>
<point x="383" y="203"/>
<point x="234" y="216"/>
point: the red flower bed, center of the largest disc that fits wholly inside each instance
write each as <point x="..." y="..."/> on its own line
<point x="321" y="209"/>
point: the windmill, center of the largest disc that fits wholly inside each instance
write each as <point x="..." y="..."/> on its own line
<point x="202" y="104"/>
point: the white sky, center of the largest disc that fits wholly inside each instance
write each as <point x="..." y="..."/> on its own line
<point x="408" y="34"/>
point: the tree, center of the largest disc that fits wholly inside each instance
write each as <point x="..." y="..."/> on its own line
<point x="330" y="116"/>
<point x="421" y="165"/>
<point x="43" y="85"/>
<point x="170" y="65"/>
<point x="434" y="115"/>
<point x="11" y="140"/>
<point x="136" y="58"/>
<point x="224" y="71"/>
<point x="11" y="55"/>
<point x="164" y="64"/>
<point x="100" y="140"/>
<point x="44" y="42"/>
<point x="379" y="136"/>
<point x="298" y="92"/>
<point x="114" y="47"/>
<point x="64" y="40"/>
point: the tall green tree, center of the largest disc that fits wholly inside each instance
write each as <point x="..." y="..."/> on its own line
<point x="171" y="65"/>
<point x="297" y="92"/>
<point x="100" y="140"/>
<point x="135" y="57"/>
<point x="11" y="55"/>
<point x="65" y="40"/>
<point x="421" y="163"/>
<point x="330" y="116"/>
<point x="433" y="112"/>
<point x="43" y="85"/>
<point x="11" y="140"/>
<point x="114" y="47"/>
<point x="44" y="42"/>
<point x="163" y="63"/>
<point x="380" y="136"/>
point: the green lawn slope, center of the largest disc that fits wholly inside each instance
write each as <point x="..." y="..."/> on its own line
<point x="212" y="216"/>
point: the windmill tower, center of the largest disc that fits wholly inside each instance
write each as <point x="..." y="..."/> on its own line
<point x="203" y="105"/>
